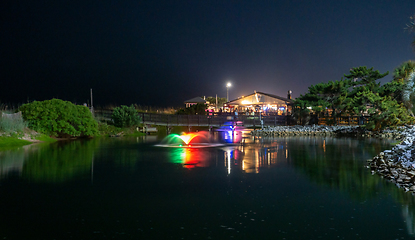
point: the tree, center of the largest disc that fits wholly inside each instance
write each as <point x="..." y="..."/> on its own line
<point x="358" y="93"/>
<point x="363" y="88"/>
<point x="212" y="101"/>
<point x="199" y="109"/>
<point x="321" y="97"/>
<point x="125" y="116"/>
<point x="401" y="88"/>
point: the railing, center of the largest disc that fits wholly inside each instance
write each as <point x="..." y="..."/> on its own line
<point x="224" y="118"/>
<point x="211" y="120"/>
<point x="202" y="120"/>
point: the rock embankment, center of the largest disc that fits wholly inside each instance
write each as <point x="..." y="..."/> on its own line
<point x="315" y="130"/>
<point x="319" y="130"/>
<point x="398" y="164"/>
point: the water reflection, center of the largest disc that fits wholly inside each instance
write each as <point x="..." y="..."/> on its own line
<point x="56" y="162"/>
<point x="11" y="161"/>
<point x="191" y="157"/>
<point x="336" y="164"/>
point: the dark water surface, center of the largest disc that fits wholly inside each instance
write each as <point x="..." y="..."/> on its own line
<point x="265" y="188"/>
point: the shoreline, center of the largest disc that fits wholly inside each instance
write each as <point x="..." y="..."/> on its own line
<point x="322" y="130"/>
<point x="397" y="165"/>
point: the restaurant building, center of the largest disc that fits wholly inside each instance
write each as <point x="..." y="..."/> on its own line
<point x="265" y="103"/>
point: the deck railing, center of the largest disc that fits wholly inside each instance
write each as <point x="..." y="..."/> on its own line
<point x="202" y="120"/>
<point x="224" y="118"/>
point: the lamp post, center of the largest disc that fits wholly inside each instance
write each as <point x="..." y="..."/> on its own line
<point x="228" y="85"/>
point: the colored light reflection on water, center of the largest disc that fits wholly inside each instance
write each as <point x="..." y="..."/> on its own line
<point x="231" y="136"/>
<point x="189" y="157"/>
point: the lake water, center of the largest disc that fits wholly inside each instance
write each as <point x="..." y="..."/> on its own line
<point x="262" y="188"/>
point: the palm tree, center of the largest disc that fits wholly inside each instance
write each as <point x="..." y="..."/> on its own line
<point x="411" y="28"/>
<point x="408" y="93"/>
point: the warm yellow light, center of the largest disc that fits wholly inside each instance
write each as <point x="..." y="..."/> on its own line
<point x="246" y="102"/>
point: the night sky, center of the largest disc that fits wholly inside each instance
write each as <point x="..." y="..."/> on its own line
<point x="161" y="53"/>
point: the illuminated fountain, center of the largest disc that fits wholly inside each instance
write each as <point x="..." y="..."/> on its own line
<point x="189" y="140"/>
<point x="231" y="126"/>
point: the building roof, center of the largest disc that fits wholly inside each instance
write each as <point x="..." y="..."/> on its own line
<point x="259" y="99"/>
<point x="196" y="100"/>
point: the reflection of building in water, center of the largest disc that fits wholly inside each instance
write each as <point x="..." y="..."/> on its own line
<point x="251" y="158"/>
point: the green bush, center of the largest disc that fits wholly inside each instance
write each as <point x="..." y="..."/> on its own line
<point x="125" y="116"/>
<point x="59" y="118"/>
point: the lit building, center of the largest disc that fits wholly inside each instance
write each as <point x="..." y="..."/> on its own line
<point x="194" y="101"/>
<point x="261" y="102"/>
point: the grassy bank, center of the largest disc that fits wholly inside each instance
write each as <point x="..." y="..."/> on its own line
<point x="12" y="141"/>
<point x="28" y="136"/>
<point x="23" y="138"/>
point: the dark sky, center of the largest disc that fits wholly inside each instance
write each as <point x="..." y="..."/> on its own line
<point x="161" y="53"/>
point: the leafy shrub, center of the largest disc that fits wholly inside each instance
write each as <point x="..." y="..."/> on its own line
<point x="125" y="116"/>
<point x="105" y="129"/>
<point x="59" y="118"/>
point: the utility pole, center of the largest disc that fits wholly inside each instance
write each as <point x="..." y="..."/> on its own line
<point x="216" y="102"/>
<point x="92" y="104"/>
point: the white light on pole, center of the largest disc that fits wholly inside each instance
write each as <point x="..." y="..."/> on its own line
<point x="228" y="85"/>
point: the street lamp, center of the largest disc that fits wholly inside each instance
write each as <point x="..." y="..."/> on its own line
<point x="228" y="85"/>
